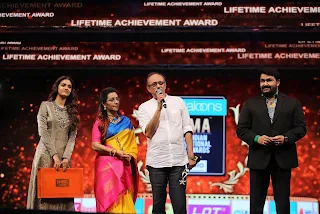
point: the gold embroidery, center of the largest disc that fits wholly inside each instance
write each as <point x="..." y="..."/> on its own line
<point x="118" y="141"/>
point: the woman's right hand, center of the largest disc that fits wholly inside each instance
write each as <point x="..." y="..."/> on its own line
<point x="123" y="156"/>
<point x="56" y="161"/>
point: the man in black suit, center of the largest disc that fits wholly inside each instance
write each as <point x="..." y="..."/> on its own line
<point x="271" y="124"/>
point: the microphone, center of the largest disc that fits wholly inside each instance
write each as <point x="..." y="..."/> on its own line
<point x="159" y="91"/>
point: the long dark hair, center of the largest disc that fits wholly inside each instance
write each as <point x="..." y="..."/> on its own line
<point x="102" y="114"/>
<point x="71" y="102"/>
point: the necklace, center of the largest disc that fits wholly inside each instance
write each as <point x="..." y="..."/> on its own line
<point x="114" y="120"/>
<point x="61" y="115"/>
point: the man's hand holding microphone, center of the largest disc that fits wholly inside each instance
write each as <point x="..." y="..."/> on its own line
<point x="160" y="99"/>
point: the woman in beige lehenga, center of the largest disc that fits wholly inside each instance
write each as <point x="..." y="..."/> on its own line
<point x="57" y="125"/>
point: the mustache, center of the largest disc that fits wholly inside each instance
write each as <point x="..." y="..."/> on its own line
<point x="266" y="87"/>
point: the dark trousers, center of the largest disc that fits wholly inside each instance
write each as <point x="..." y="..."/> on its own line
<point x="159" y="178"/>
<point x="259" y="183"/>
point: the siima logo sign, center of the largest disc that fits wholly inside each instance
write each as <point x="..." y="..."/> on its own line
<point x="206" y="106"/>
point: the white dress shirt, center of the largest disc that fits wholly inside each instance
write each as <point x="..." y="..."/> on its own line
<point x="166" y="148"/>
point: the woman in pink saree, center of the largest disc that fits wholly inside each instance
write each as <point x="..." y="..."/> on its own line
<point x="113" y="138"/>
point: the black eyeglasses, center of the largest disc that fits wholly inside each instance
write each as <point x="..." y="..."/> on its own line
<point x="154" y="84"/>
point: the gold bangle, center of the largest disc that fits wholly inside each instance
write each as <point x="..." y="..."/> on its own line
<point x="114" y="153"/>
<point x="111" y="151"/>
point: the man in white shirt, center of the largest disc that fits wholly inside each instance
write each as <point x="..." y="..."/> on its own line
<point x="165" y="121"/>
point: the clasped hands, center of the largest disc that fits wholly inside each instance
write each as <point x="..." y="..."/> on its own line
<point x="122" y="155"/>
<point x="57" y="163"/>
<point x="266" y="140"/>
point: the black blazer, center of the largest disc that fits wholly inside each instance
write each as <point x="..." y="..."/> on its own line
<point x="288" y="120"/>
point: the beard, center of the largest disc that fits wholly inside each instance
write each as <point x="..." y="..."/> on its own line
<point x="270" y="93"/>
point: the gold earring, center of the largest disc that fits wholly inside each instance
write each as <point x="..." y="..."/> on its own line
<point x="105" y="108"/>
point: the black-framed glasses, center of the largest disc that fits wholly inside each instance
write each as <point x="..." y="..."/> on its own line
<point x="154" y="84"/>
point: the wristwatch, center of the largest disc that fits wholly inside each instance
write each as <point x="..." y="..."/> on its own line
<point x="194" y="158"/>
<point x="286" y="139"/>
